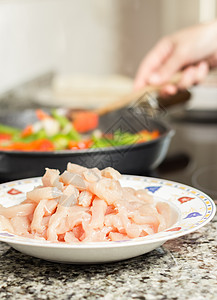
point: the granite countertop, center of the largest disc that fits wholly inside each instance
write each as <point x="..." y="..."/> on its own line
<point x="184" y="268"/>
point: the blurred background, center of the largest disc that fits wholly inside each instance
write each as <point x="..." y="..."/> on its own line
<point x="87" y="37"/>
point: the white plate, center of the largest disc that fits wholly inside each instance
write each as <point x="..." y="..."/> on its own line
<point x="194" y="210"/>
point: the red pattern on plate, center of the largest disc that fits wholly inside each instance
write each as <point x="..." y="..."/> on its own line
<point x="184" y="199"/>
<point x="14" y="192"/>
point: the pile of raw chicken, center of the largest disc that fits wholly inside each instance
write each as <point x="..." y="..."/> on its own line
<point x="85" y="205"/>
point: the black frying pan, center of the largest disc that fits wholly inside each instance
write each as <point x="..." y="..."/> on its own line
<point x="134" y="159"/>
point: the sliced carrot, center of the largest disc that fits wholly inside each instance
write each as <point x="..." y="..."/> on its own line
<point x="146" y="135"/>
<point x="155" y="134"/>
<point x="18" y="146"/>
<point x="27" y="131"/>
<point x="144" y="132"/>
<point x="5" y="136"/>
<point x="85" y="121"/>
<point x="73" y="145"/>
<point x="41" y="145"/>
<point x="38" y="145"/>
<point x="4" y="148"/>
<point x="41" y="115"/>
<point x="45" y="145"/>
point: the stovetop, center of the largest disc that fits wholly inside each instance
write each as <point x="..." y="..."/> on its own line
<point x="192" y="156"/>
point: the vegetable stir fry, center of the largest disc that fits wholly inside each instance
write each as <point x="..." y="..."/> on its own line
<point x="56" y="132"/>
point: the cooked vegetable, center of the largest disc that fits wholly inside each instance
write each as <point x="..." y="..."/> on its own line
<point x="56" y="132"/>
<point x="85" y="121"/>
<point x="120" y="138"/>
<point x="63" y="121"/>
<point x="8" y="129"/>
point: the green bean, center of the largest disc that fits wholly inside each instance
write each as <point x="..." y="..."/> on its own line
<point x="9" y="129"/>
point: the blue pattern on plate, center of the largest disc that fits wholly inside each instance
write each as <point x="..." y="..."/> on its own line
<point x="153" y="189"/>
<point x="193" y="215"/>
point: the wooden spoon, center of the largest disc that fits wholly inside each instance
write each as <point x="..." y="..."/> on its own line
<point x="86" y="120"/>
<point x="135" y="95"/>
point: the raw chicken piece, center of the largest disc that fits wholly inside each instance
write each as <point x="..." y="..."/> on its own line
<point x="45" y="221"/>
<point x="5" y="224"/>
<point x="132" y="230"/>
<point x="111" y="209"/>
<point x="98" y="235"/>
<point x="74" y="179"/>
<point x="111" y="173"/>
<point x="69" y="196"/>
<point x="115" y="222"/>
<point x="85" y="198"/>
<point x="75" y="219"/>
<point x="79" y="232"/>
<point x="129" y="190"/>
<point x="148" y="210"/>
<point x="98" y="213"/>
<point x="75" y="168"/>
<point x="51" y="178"/>
<point x="70" y="237"/>
<point x="78" y="223"/>
<point x="42" y="193"/>
<point x="17" y="210"/>
<point x="63" y="220"/>
<point x="55" y="220"/>
<point x="150" y="220"/>
<point x="165" y="211"/>
<point x="92" y="175"/>
<point x="50" y="207"/>
<point x="116" y="236"/>
<point x="144" y="196"/>
<point x="130" y="197"/>
<point x="44" y="208"/>
<point x="162" y="223"/>
<point x="107" y="189"/>
<point x="21" y="225"/>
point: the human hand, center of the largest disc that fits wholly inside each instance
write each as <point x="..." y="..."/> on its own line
<point x="192" y="51"/>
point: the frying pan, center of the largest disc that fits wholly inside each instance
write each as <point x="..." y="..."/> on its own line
<point x="131" y="159"/>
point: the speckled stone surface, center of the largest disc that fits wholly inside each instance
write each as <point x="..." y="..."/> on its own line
<point x="185" y="268"/>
